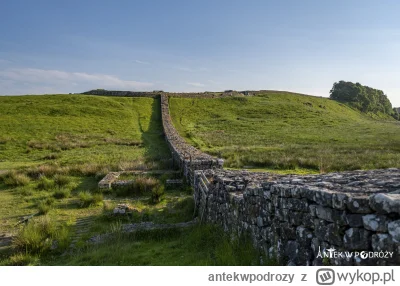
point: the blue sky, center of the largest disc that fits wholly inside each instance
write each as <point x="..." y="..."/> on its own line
<point x="53" y="46"/>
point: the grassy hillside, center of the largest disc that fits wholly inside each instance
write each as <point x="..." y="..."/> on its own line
<point x="53" y="151"/>
<point x="287" y="132"/>
<point x="79" y="129"/>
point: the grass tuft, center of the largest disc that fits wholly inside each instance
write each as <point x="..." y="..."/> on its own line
<point x="15" y="179"/>
<point x="44" y="206"/>
<point x="45" y="184"/>
<point x="87" y="199"/>
<point x="62" y="193"/>
<point x="39" y="236"/>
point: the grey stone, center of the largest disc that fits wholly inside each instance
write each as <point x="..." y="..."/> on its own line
<point x="357" y="239"/>
<point x="386" y="203"/>
<point x="375" y="222"/>
<point x="260" y="222"/>
<point x="330" y="215"/>
<point x="353" y="220"/>
<point x="358" y="205"/>
<point x="394" y="230"/>
<point x="323" y="197"/>
<point x="339" y="201"/>
<point x="304" y="236"/>
<point x="382" y="242"/>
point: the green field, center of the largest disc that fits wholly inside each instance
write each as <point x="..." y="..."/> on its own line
<point x="80" y="129"/>
<point x="289" y="133"/>
<point x="54" y="149"/>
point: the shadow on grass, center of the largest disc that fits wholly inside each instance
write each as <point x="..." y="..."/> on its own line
<point x="156" y="148"/>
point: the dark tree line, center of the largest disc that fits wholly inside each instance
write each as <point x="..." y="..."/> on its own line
<point x="364" y="98"/>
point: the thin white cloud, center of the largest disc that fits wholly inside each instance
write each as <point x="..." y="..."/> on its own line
<point x="3" y="61"/>
<point x="62" y="79"/>
<point x="141" y="62"/>
<point x="196" y="84"/>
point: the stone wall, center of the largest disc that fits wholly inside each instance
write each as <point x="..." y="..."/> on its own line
<point x="122" y="93"/>
<point x="185" y="156"/>
<point x="206" y="94"/>
<point x="292" y="218"/>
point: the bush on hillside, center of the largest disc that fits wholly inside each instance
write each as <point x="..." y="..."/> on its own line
<point x="364" y="98"/>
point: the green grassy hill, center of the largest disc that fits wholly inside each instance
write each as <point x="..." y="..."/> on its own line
<point x="53" y="151"/>
<point x="79" y="129"/>
<point x="287" y="132"/>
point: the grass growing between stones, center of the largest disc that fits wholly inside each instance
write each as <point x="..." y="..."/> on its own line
<point x="287" y="133"/>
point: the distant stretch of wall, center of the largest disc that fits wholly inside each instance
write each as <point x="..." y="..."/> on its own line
<point x="105" y="92"/>
<point x="227" y="93"/>
<point x="185" y="156"/>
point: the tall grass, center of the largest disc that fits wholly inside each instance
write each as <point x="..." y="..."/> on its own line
<point x="198" y="245"/>
<point x="88" y="199"/>
<point x="142" y="185"/>
<point x="14" y="179"/>
<point x="40" y="235"/>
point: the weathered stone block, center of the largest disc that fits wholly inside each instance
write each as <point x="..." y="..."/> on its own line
<point x="394" y="230"/>
<point x="339" y="201"/>
<point x="375" y="222"/>
<point x="357" y="239"/>
<point x="296" y="218"/>
<point x="334" y="234"/>
<point x="353" y="220"/>
<point x="323" y="197"/>
<point x="358" y="205"/>
<point x="385" y="203"/>
<point x="382" y="242"/>
<point x="260" y="221"/>
<point x="288" y="231"/>
<point x="304" y="236"/>
<point x="330" y="215"/>
<point x="291" y="250"/>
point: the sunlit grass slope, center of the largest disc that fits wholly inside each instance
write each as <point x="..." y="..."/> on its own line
<point x="287" y="132"/>
<point x="78" y="129"/>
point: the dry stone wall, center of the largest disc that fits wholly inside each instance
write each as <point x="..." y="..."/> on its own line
<point x="294" y="218"/>
<point x="105" y="92"/>
<point x="185" y="156"/>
